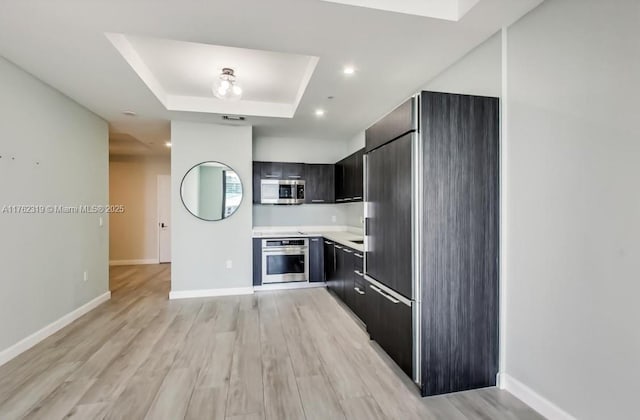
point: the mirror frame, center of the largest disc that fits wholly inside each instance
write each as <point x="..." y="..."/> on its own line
<point x="198" y="217"/>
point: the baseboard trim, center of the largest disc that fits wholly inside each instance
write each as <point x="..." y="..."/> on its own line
<point x="288" y="286"/>
<point x="134" y="262"/>
<point x="189" y="294"/>
<point x="532" y="398"/>
<point x="26" y="343"/>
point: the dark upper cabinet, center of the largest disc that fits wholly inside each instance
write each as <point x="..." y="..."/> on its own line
<point x="293" y="171"/>
<point x="389" y="226"/>
<point x="319" y="186"/>
<point x="349" y="178"/>
<point x="271" y="170"/>
<point x="257" y="176"/>
<point x="282" y="170"/>
<point x="397" y="123"/>
<point x="316" y="260"/>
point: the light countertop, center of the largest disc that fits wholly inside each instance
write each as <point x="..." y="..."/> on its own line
<point x="342" y="234"/>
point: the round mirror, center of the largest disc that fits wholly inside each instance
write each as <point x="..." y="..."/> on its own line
<point x="211" y="191"/>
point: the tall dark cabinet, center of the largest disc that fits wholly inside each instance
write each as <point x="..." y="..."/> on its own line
<point x="432" y="230"/>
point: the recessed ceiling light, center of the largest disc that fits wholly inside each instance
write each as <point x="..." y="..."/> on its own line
<point x="129" y="113"/>
<point x="319" y="112"/>
<point x="168" y="144"/>
<point x="349" y="70"/>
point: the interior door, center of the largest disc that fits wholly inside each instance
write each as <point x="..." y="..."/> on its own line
<point x="164" y="218"/>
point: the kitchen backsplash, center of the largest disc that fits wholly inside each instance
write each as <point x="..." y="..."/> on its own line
<point x="308" y="214"/>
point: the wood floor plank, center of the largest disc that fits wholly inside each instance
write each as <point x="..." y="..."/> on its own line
<point x="207" y="404"/>
<point x="318" y="399"/>
<point x="174" y="395"/>
<point x="362" y="408"/>
<point x="88" y="411"/>
<point x="281" y="395"/>
<point x="61" y="401"/>
<point x="246" y="392"/>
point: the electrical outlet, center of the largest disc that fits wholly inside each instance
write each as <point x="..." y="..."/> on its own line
<point x="229" y="264"/>
<point x="85" y="276"/>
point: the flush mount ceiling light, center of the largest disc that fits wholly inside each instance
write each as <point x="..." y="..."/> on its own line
<point x="226" y="86"/>
<point x="349" y="70"/>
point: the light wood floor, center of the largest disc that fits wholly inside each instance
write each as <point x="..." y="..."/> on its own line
<point x="274" y="355"/>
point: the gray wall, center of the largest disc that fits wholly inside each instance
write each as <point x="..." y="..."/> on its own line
<point x="573" y="253"/>
<point x="305" y="150"/>
<point x="43" y="256"/>
<point x="201" y="249"/>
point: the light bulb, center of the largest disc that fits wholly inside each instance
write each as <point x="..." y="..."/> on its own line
<point x="237" y="90"/>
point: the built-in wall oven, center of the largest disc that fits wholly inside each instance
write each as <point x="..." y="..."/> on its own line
<point x="285" y="260"/>
<point x="281" y="191"/>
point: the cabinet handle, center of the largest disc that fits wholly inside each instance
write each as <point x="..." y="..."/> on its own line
<point x="328" y="243"/>
<point x="271" y="176"/>
<point x="357" y="289"/>
<point x="358" y="255"/>
<point x="340" y="199"/>
<point x="347" y="251"/>
<point x="383" y="294"/>
<point x="317" y="201"/>
<point x="295" y="176"/>
<point x="315" y="240"/>
<point x="338" y="246"/>
<point x="358" y="273"/>
<point x="357" y="198"/>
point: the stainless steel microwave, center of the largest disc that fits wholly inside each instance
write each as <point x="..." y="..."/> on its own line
<point x="281" y="191"/>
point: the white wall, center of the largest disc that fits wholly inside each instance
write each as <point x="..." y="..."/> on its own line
<point x="573" y="229"/>
<point x="277" y="149"/>
<point x="201" y="249"/>
<point x="53" y="152"/>
<point x="133" y="235"/>
<point x="477" y="73"/>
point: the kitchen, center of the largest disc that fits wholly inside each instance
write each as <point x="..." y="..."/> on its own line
<point x="332" y="209"/>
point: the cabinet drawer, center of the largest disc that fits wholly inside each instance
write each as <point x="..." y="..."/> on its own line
<point x="360" y="298"/>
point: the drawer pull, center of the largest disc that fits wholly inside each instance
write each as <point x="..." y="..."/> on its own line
<point x="315" y="240"/>
<point x="295" y="176"/>
<point x="328" y="243"/>
<point x="358" y="273"/>
<point x="338" y="246"/>
<point x="347" y="250"/>
<point x="386" y="296"/>
<point x="357" y="289"/>
<point x="358" y="255"/>
<point x="317" y="201"/>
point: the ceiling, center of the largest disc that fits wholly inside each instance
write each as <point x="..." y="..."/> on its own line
<point x="65" y="44"/>
<point x="439" y="9"/>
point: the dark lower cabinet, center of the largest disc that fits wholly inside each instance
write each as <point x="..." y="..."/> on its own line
<point x="360" y="298"/>
<point x="316" y="260"/>
<point x="389" y="323"/>
<point x="347" y="276"/>
<point x="330" y="265"/>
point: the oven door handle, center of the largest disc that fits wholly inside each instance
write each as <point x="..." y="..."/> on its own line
<point x="287" y="250"/>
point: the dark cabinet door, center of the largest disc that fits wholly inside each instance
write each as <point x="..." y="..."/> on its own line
<point x="360" y="298"/>
<point x="397" y="123"/>
<point x="341" y="262"/>
<point x="390" y="324"/>
<point x="340" y="177"/>
<point x="257" y="261"/>
<point x="320" y="183"/>
<point x="348" y="278"/>
<point x="293" y="171"/>
<point x="271" y="170"/>
<point x="330" y="265"/>
<point x="257" y="176"/>
<point x="389" y="220"/>
<point x="358" y="176"/>
<point x="316" y="260"/>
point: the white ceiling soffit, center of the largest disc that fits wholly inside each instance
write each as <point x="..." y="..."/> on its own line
<point x="452" y="10"/>
<point x="181" y="74"/>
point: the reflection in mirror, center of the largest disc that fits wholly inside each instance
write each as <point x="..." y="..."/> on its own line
<point x="211" y="191"/>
